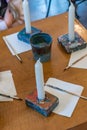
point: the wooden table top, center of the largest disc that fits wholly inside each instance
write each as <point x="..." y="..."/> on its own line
<point x="16" y="115"/>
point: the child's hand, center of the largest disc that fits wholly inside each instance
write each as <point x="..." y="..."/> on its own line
<point x="8" y="18"/>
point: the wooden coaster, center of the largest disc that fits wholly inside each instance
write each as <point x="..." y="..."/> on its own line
<point x="46" y="106"/>
<point x="23" y="36"/>
<point x="73" y="46"/>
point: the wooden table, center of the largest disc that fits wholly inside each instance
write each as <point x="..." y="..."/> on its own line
<point x="16" y="115"/>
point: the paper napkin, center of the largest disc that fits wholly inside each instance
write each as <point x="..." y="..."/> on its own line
<point x="76" y="55"/>
<point x="67" y="102"/>
<point x="7" y="85"/>
<point x="17" y="45"/>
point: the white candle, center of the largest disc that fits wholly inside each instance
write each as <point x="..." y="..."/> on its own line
<point x="71" y="19"/>
<point x="27" y="16"/>
<point x="39" y="80"/>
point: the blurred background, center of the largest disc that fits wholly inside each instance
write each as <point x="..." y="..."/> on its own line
<point x="39" y="9"/>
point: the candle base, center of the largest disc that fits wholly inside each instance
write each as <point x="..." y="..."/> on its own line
<point x="73" y="46"/>
<point x="25" y="37"/>
<point x="45" y="106"/>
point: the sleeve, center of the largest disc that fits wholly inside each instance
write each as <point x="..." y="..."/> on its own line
<point x="3" y="25"/>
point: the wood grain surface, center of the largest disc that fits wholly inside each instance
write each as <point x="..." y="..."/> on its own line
<point x="16" y="115"/>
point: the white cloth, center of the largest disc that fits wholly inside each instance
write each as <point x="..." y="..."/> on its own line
<point x="3" y="25"/>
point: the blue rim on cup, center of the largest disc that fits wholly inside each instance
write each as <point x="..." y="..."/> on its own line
<point x="41" y="46"/>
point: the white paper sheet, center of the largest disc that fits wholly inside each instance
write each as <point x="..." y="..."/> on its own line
<point x="17" y="45"/>
<point x="76" y="55"/>
<point x="67" y="102"/>
<point x="7" y="85"/>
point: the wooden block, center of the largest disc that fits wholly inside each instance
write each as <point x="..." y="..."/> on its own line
<point x="44" y="107"/>
<point x="73" y="46"/>
<point x="23" y="36"/>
